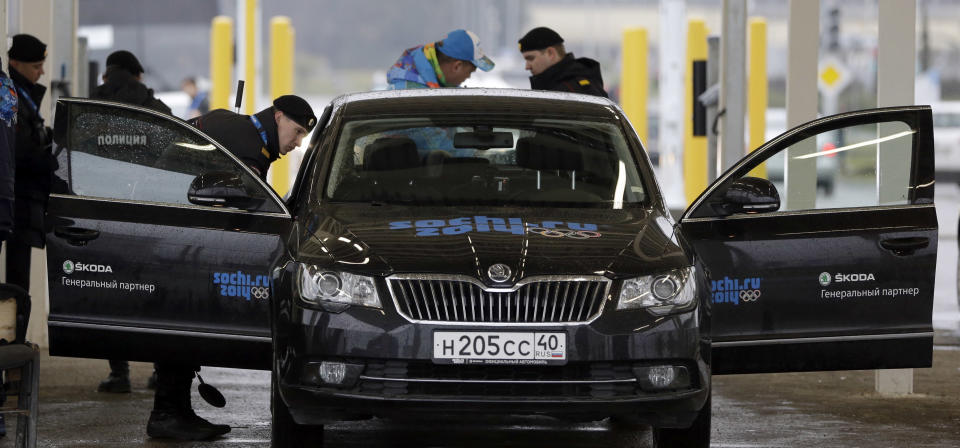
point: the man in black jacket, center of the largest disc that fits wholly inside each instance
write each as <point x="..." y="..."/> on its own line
<point x="555" y="69"/>
<point x="259" y="139"/>
<point x="122" y="83"/>
<point x="35" y="164"/>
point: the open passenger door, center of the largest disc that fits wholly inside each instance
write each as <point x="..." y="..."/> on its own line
<point x="804" y="278"/>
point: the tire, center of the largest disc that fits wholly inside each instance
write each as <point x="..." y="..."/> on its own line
<point x="696" y="436"/>
<point x="286" y="433"/>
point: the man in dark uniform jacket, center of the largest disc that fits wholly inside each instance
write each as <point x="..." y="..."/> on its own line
<point x="35" y="164"/>
<point x="122" y="83"/>
<point x="555" y="69"/>
<point x="259" y="139"/>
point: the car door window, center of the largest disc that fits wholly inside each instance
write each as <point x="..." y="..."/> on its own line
<point x="838" y="168"/>
<point x="115" y="152"/>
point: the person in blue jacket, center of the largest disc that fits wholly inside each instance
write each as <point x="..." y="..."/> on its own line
<point x="8" y="117"/>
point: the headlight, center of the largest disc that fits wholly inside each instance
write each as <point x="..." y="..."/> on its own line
<point x="661" y="293"/>
<point x="320" y="287"/>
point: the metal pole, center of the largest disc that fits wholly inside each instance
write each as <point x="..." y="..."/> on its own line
<point x="895" y="83"/>
<point x="250" y="54"/>
<point x="757" y="90"/>
<point x="634" y="83"/>
<point x="713" y="77"/>
<point x="221" y="62"/>
<point x="281" y="83"/>
<point x="800" y="176"/>
<point x="695" y="147"/>
<point x="672" y="46"/>
<point x="733" y="83"/>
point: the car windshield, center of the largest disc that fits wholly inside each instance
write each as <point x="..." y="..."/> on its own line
<point x="485" y="159"/>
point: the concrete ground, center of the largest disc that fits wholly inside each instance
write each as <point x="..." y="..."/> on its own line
<point x="836" y="409"/>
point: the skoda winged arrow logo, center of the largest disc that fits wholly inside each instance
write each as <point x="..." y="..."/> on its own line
<point x="824" y="279"/>
<point x="499" y="272"/>
<point x="68" y="267"/>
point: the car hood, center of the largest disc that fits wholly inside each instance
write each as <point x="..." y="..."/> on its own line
<point x="386" y="239"/>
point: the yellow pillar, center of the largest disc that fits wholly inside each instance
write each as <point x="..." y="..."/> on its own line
<point x="221" y="62"/>
<point x="634" y="83"/>
<point x="694" y="148"/>
<point x="250" y="56"/>
<point x="757" y="89"/>
<point x="281" y="83"/>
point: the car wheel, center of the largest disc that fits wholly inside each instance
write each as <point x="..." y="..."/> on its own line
<point x="696" y="436"/>
<point x="285" y="432"/>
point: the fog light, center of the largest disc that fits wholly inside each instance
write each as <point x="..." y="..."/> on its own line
<point x="657" y="378"/>
<point x="661" y="376"/>
<point x="332" y="372"/>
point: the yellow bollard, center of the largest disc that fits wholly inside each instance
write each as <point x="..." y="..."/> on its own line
<point x="221" y="62"/>
<point x="281" y="83"/>
<point x="634" y="82"/>
<point x="250" y="58"/>
<point x="695" y="148"/>
<point x="757" y="89"/>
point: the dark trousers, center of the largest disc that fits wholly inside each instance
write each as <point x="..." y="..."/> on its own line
<point x="173" y="387"/>
<point x="18" y="263"/>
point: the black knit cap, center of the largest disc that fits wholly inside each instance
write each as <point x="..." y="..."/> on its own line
<point x="296" y="109"/>
<point x="27" y="48"/>
<point x="539" y="38"/>
<point x="125" y="60"/>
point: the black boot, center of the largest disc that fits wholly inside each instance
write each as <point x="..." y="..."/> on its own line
<point x="152" y="381"/>
<point x="173" y="415"/>
<point x="119" y="379"/>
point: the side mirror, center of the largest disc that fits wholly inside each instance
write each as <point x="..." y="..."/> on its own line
<point x="749" y="195"/>
<point x="220" y="189"/>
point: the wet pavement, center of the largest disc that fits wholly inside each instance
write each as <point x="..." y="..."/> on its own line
<point x="830" y="409"/>
<point x="835" y="409"/>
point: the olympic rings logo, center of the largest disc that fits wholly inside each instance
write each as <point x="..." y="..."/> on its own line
<point x="260" y="292"/>
<point x="564" y="233"/>
<point x="749" y="295"/>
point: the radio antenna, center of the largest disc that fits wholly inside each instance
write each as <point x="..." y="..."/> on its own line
<point x="239" y="95"/>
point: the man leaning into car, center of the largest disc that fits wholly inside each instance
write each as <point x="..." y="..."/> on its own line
<point x="447" y="63"/>
<point x="257" y="140"/>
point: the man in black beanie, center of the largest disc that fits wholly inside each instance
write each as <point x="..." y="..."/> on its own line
<point x="33" y="159"/>
<point x="259" y="139"/>
<point x="555" y="69"/>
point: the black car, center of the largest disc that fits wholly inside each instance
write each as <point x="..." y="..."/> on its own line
<point x="466" y="251"/>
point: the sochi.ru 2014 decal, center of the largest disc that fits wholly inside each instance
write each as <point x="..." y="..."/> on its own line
<point x="242" y="285"/>
<point x="516" y="226"/>
<point x="735" y="290"/>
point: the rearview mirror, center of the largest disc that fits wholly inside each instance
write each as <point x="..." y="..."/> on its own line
<point x="749" y="195"/>
<point x="220" y="189"/>
<point x="483" y="140"/>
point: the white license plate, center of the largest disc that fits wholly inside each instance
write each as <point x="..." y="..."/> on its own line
<point x="487" y="347"/>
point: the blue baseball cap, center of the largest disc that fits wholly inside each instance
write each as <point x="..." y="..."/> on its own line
<point x="465" y="46"/>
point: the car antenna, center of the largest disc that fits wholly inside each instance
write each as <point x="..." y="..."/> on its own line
<point x="239" y="95"/>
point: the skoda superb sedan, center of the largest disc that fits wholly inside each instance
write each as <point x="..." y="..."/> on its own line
<point x="474" y="251"/>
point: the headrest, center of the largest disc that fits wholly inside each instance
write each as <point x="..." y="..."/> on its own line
<point x="548" y="153"/>
<point x="464" y="166"/>
<point x="391" y="153"/>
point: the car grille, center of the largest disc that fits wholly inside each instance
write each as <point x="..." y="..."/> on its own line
<point x="597" y="380"/>
<point x="537" y="300"/>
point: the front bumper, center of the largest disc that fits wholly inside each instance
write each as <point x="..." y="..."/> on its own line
<point x="399" y="378"/>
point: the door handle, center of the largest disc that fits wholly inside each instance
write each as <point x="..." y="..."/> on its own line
<point x="905" y="246"/>
<point x="76" y="236"/>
